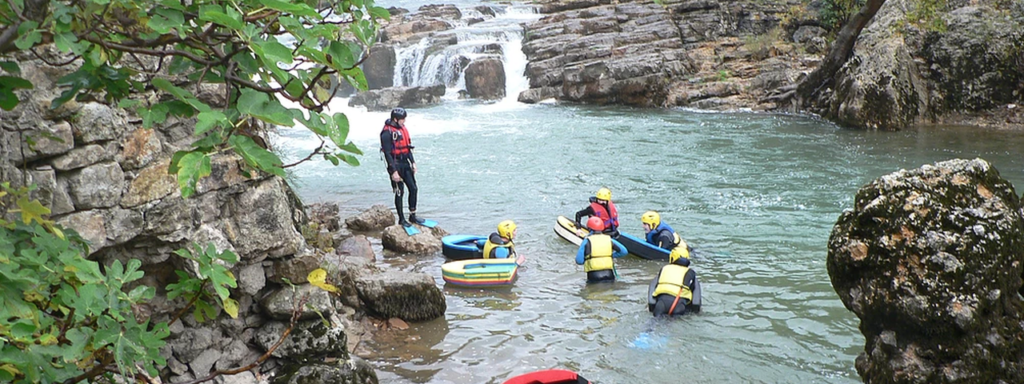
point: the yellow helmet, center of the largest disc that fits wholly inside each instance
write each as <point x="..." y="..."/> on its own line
<point x="507" y="229"/>
<point x="604" y="194"/>
<point x="651" y="218"/>
<point x="677" y="252"/>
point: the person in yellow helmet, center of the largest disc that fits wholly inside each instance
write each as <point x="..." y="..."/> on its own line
<point x="675" y="290"/>
<point x="499" y="244"/>
<point x="601" y="206"/>
<point x="659" y="233"/>
<point x="597" y="251"/>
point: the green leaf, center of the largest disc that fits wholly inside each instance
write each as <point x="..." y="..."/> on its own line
<point x="9" y="100"/>
<point x="191" y="167"/>
<point x="210" y="119"/>
<point x="341" y="57"/>
<point x="153" y="115"/>
<point x="263" y="107"/>
<point x="28" y="35"/>
<point x="273" y="51"/>
<point x="164" y="20"/>
<point x="10" y="67"/>
<point x="232" y="19"/>
<point x="380" y="13"/>
<point x="296" y="8"/>
<point x="339" y="130"/>
<point x="351" y="160"/>
<point x="181" y="94"/>
<point x="255" y="156"/>
<point x="68" y="42"/>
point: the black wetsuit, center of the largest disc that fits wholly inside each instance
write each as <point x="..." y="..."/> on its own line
<point x="403" y="165"/>
<point x="663" y="302"/>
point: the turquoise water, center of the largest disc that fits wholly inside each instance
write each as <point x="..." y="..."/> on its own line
<point x="756" y="195"/>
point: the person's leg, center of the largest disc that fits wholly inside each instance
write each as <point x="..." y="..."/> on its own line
<point x="399" y="190"/>
<point x="409" y="178"/>
<point x="602" y="276"/>
<point x="663" y="303"/>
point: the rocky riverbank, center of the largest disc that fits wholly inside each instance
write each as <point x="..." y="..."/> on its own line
<point x="959" y="63"/>
<point x="102" y="174"/>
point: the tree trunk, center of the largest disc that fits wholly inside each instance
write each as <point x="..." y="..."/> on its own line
<point x="823" y="77"/>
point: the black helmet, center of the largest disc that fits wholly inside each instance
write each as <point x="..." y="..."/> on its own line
<point x="398" y="113"/>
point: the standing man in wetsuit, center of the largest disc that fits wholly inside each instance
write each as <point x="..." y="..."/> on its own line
<point x="397" y="148"/>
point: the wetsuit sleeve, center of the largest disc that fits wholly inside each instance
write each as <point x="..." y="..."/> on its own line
<point x="500" y="253"/>
<point x="618" y="250"/>
<point x="588" y="211"/>
<point x="387" y="144"/>
<point x="689" y="278"/>
<point x="581" y="255"/>
<point x="665" y="240"/>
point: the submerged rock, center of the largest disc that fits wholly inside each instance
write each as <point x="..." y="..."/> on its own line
<point x="930" y="261"/>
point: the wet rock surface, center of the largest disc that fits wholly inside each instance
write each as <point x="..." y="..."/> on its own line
<point x="930" y="261"/>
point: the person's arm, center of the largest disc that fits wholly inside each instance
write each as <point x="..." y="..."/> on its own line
<point x="588" y="211"/>
<point x="688" y="280"/>
<point x="665" y="240"/>
<point x="500" y="253"/>
<point x="387" y="144"/>
<point x="618" y="250"/>
<point x="581" y="255"/>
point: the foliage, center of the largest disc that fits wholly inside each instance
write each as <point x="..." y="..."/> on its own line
<point x="317" y="238"/>
<point x="260" y="51"/>
<point x="927" y="15"/>
<point x="64" y="318"/>
<point x="210" y="269"/>
<point x="723" y="75"/>
<point x="62" y="315"/>
<point x="835" y="13"/>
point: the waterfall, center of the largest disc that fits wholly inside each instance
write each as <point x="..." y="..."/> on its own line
<point x="442" y="57"/>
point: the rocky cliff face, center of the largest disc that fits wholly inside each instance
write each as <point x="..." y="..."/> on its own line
<point x="703" y="54"/>
<point x="104" y="175"/>
<point x="915" y="63"/>
<point x="930" y="261"/>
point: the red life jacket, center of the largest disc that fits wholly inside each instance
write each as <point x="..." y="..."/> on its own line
<point x="400" y="138"/>
<point x="610" y="220"/>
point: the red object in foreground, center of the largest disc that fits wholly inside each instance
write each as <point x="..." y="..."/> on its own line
<point x="550" y="376"/>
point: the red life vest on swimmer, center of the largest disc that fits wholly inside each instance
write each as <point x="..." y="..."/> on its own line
<point x="610" y="220"/>
<point x="400" y="138"/>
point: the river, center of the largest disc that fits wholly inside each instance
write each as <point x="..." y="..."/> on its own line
<point x="756" y="195"/>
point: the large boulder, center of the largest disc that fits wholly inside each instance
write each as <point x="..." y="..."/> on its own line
<point x="485" y="79"/>
<point x="308" y="342"/>
<point x="930" y="261"/>
<point x="405" y="295"/>
<point x="379" y="67"/>
<point x="281" y="304"/>
<point x="351" y="371"/>
<point x="386" y="99"/>
<point x="977" y="63"/>
<point x="376" y="218"/>
<point x="428" y="241"/>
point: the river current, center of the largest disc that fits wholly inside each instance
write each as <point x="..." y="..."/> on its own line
<point x="756" y="196"/>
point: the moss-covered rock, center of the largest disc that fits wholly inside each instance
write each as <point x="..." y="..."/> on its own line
<point x="405" y="295"/>
<point x="930" y="261"/>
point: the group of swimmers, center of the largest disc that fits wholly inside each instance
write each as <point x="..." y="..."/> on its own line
<point x="676" y="281"/>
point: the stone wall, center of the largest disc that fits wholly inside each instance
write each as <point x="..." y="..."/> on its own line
<point x="105" y="176"/>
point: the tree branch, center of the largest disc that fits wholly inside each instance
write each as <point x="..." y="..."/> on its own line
<point x="295" y="318"/>
<point x="307" y="158"/>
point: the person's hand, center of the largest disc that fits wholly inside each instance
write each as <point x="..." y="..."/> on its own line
<point x="413" y="167"/>
<point x="395" y="177"/>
